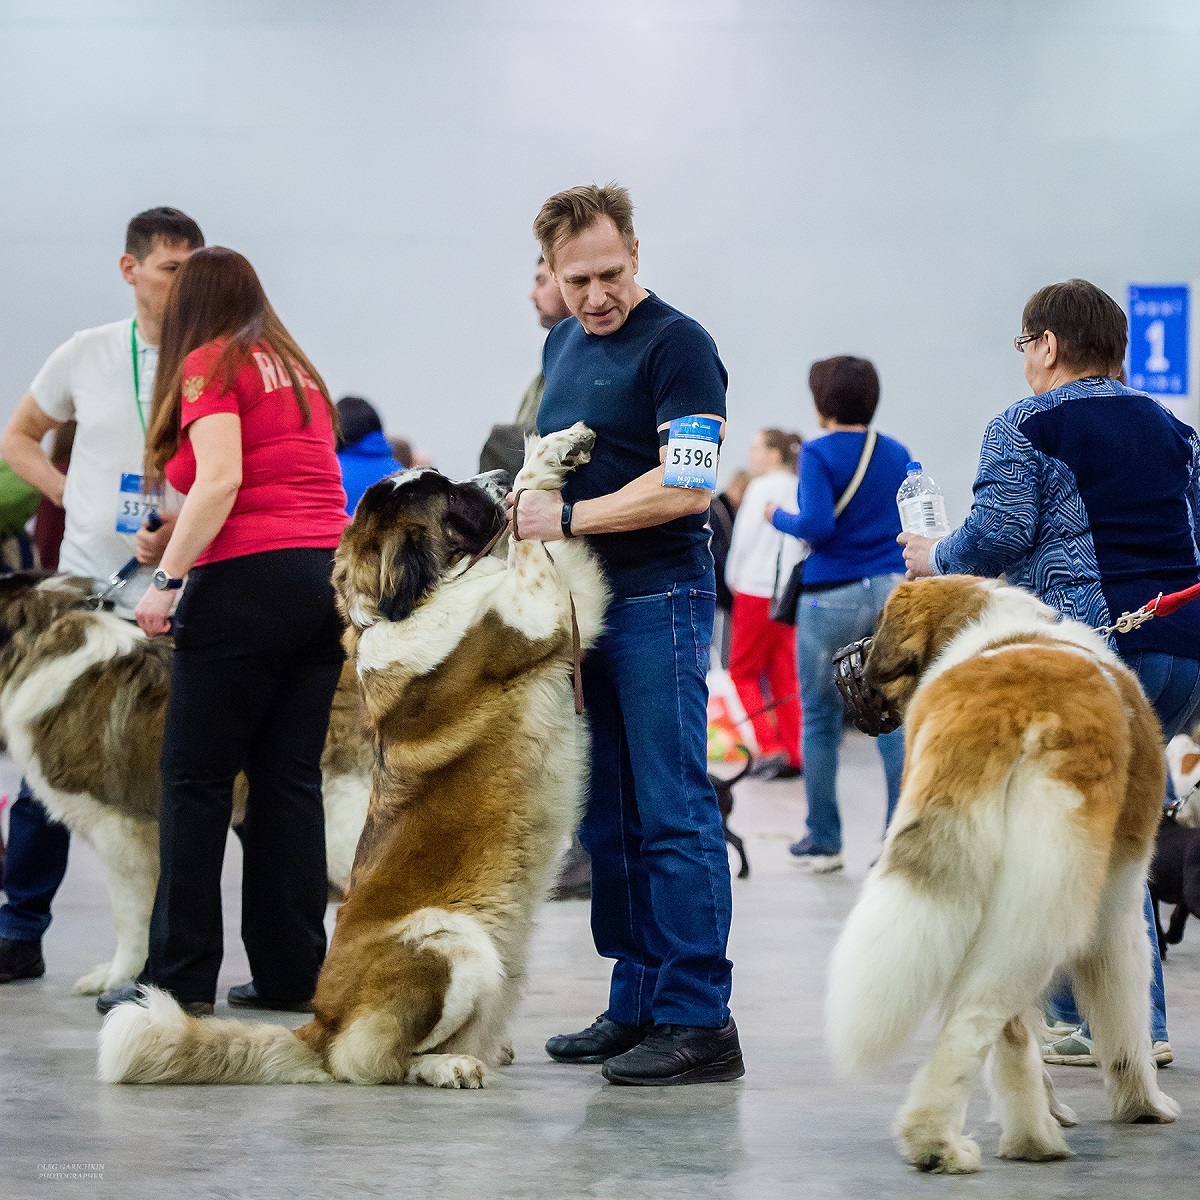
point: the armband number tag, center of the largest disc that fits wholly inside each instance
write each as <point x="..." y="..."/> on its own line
<point x="133" y="504"/>
<point x="693" y="448"/>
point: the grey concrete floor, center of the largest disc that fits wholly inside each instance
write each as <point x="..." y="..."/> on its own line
<point x="543" y="1130"/>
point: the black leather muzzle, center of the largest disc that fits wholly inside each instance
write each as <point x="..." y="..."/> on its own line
<point x="868" y="708"/>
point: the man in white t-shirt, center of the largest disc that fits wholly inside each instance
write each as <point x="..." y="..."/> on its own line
<point x="103" y="378"/>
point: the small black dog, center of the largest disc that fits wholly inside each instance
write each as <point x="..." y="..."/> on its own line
<point x="1175" y="878"/>
<point x="724" y="789"/>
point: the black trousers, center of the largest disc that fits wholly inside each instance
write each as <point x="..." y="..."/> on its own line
<point x="257" y="659"/>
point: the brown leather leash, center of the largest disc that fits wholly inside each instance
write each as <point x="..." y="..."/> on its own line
<point x="576" y="648"/>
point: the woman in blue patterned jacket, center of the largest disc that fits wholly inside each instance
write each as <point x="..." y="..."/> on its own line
<point x="1088" y="494"/>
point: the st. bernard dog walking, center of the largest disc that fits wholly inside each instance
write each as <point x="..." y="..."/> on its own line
<point x="466" y="670"/>
<point x="1033" y="784"/>
<point x="83" y="698"/>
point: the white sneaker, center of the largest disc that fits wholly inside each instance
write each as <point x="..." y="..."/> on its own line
<point x="1056" y="1030"/>
<point x="1076" y="1050"/>
<point x="804" y="854"/>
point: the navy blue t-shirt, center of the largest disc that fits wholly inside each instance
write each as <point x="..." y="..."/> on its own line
<point x="658" y="366"/>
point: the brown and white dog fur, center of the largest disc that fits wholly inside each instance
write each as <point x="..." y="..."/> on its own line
<point x="466" y="673"/>
<point x="1033" y="783"/>
<point x="83" y="698"/>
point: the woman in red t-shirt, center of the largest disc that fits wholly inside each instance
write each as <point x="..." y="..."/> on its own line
<point x="242" y="424"/>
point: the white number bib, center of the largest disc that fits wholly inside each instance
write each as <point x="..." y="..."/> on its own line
<point x="134" y="505"/>
<point x="693" y="446"/>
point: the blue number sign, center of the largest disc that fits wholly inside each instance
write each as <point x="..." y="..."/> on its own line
<point x="1158" y="339"/>
<point x="693" y="444"/>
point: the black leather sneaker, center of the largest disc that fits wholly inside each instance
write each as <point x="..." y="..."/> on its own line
<point x="245" y="995"/>
<point x="109" y="1000"/>
<point x="20" y="960"/>
<point x="596" y="1044"/>
<point x="671" y="1054"/>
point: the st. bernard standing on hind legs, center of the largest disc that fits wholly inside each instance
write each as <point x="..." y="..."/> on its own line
<point x="466" y="669"/>
<point x="1032" y="789"/>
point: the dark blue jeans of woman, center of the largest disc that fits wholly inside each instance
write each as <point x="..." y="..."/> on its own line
<point x="1172" y="685"/>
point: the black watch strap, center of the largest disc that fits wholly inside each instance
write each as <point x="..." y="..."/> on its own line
<point x="568" y="510"/>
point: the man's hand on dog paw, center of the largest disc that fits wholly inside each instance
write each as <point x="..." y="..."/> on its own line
<point x="539" y="518"/>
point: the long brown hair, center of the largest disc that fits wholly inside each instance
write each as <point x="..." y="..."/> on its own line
<point x="217" y="294"/>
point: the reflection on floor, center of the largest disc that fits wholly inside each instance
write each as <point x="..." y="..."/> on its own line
<point x="789" y="1129"/>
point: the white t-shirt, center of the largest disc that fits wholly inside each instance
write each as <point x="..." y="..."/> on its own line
<point x="90" y="378"/>
<point x="757" y="551"/>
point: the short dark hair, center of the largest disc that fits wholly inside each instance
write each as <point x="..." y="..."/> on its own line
<point x="167" y="225"/>
<point x="1090" y="327"/>
<point x="359" y="418"/>
<point x="845" y="389"/>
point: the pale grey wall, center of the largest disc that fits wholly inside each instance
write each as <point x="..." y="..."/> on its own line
<point x="819" y="177"/>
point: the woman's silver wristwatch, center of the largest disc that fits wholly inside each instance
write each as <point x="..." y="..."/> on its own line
<point x="165" y="582"/>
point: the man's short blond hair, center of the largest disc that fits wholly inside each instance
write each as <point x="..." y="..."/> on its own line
<point x="567" y="214"/>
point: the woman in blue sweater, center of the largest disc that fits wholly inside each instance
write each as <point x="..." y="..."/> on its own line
<point x="363" y="451"/>
<point x="854" y="564"/>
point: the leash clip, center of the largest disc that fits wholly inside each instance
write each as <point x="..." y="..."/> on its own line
<point x="1128" y="622"/>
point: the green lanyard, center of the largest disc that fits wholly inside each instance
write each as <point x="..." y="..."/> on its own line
<point x="137" y="391"/>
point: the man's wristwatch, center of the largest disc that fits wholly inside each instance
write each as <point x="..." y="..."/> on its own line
<point x="165" y="582"/>
<point x="567" y="510"/>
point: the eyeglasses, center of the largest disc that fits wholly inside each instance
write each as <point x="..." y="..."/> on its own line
<point x="1024" y="340"/>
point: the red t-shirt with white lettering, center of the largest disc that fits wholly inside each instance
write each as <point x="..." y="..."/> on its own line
<point x="291" y="494"/>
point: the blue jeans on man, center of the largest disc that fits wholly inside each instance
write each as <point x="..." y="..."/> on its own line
<point x="35" y="866"/>
<point x="826" y="621"/>
<point x="661" y="898"/>
<point x="1172" y="685"/>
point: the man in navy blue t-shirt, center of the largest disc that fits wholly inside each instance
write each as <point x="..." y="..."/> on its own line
<point x="627" y="365"/>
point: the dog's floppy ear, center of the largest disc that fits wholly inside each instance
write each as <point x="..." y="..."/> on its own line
<point x="894" y="655"/>
<point x="899" y="649"/>
<point x="408" y="571"/>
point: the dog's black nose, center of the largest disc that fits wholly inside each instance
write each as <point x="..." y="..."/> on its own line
<point x="496" y="483"/>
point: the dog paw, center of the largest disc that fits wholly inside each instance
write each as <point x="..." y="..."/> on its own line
<point x="448" y="1071"/>
<point x="1062" y="1113"/>
<point x="1029" y="1146"/>
<point x="551" y="458"/>
<point x="95" y="981"/>
<point x="579" y="451"/>
<point x="505" y="1055"/>
<point x="1157" y="1108"/>
<point x="951" y="1154"/>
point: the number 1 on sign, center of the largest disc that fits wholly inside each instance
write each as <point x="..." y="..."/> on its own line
<point x="1156" y="335"/>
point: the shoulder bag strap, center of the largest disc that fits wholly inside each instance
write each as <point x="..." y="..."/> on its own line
<point x="864" y="461"/>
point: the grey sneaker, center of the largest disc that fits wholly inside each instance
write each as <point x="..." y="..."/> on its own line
<point x="1074" y="1050"/>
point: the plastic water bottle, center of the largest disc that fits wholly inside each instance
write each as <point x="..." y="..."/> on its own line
<point x="922" y="507"/>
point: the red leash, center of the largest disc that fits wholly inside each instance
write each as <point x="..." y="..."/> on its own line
<point x="1160" y="606"/>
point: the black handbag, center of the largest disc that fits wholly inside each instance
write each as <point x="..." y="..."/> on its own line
<point x="786" y="599"/>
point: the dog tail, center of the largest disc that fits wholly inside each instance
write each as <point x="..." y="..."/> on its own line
<point x="894" y="960"/>
<point x="909" y="933"/>
<point x="155" y="1041"/>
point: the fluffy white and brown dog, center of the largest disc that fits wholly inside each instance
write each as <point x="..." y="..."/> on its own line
<point x="83" y="699"/>
<point x="480" y="757"/>
<point x="1033" y="783"/>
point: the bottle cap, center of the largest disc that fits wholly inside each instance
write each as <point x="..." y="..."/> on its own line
<point x="913" y="466"/>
